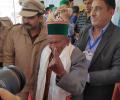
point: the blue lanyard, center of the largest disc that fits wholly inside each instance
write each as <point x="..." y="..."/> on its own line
<point x="96" y="41"/>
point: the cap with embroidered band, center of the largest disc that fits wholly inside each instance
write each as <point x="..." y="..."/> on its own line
<point x="57" y="23"/>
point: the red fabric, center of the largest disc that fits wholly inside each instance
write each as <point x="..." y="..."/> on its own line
<point x="29" y="97"/>
<point x="116" y="93"/>
<point x="68" y="98"/>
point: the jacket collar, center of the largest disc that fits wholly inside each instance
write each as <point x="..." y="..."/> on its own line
<point x="82" y="42"/>
<point x="103" y="42"/>
<point x="42" y="35"/>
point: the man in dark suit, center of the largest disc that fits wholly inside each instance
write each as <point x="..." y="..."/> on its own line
<point x="101" y="45"/>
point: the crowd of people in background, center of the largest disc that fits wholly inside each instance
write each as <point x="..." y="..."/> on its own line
<point x="65" y="53"/>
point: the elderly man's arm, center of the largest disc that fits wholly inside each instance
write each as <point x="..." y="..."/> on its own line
<point x="74" y="81"/>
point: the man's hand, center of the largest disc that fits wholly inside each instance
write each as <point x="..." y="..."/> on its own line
<point x="55" y="64"/>
<point x="63" y="14"/>
<point x="6" y="95"/>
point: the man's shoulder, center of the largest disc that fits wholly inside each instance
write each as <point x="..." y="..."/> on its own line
<point x="113" y="28"/>
<point x="6" y="21"/>
<point x="117" y="28"/>
<point x="77" y="53"/>
<point x="16" y="27"/>
<point x="116" y="32"/>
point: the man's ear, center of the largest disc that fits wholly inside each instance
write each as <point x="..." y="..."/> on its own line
<point x="41" y="19"/>
<point x="112" y="11"/>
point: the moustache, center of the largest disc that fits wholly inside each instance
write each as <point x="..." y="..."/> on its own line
<point x="27" y="24"/>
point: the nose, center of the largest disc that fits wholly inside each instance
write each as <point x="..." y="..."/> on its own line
<point x="25" y="20"/>
<point x="92" y="13"/>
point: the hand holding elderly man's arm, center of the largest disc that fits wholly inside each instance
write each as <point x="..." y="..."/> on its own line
<point x="6" y="95"/>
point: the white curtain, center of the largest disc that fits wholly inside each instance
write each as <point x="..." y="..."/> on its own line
<point x="116" y="16"/>
<point x="10" y="8"/>
<point x="55" y="2"/>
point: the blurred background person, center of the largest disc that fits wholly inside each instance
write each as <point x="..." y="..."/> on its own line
<point x="84" y="17"/>
<point x="72" y="23"/>
<point x="5" y="25"/>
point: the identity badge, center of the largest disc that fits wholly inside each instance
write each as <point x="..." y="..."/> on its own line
<point x="88" y="55"/>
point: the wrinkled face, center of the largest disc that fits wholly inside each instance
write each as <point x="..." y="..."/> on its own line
<point x="56" y="40"/>
<point x="101" y="13"/>
<point x="87" y="5"/>
<point x="31" y="22"/>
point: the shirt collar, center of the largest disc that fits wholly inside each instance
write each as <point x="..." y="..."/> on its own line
<point x="101" y="32"/>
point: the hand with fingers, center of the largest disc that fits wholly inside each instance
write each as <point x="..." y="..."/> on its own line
<point x="6" y="95"/>
<point x="63" y="14"/>
<point x="55" y="64"/>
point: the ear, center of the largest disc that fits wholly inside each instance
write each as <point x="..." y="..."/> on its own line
<point x="41" y="19"/>
<point x="112" y="11"/>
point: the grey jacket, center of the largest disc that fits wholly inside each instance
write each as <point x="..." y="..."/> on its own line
<point x="104" y="69"/>
<point x="74" y="82"/>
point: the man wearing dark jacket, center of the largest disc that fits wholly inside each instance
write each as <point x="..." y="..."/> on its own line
<point x="101" y="45"/>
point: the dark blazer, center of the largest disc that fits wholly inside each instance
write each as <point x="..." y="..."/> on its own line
<point x="104" y="69"/>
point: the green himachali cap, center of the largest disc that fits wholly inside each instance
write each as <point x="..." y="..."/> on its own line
<point x="57" y="28"/>
<point x="58" y="21"/>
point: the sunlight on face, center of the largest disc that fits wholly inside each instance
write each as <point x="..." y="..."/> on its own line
<point x="101" y="14"/>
